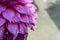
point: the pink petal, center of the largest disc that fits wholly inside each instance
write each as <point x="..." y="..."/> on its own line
<point x="32" y="20"/>
<point x="25" y="1"/>
<point x="8" y="14"/>
<point x="1" y="31"/>
<point x="13" y="28"/>
<point x="31" y="7"/>
<point x="35" y="15"/>
<point x="2" y="9"/>
<point x="2" y="21"/>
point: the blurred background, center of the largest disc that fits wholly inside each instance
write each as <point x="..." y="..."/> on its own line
<point x="48" y="23"/>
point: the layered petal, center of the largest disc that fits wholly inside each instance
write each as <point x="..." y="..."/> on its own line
<point x="23" y="28"/>
<point x="13" y="28"/>
<point x="2" y="21"/>
<point x="25" y="1"/>
<point x="31" y="26"/>
<point x="35" y="15"/>
<point x="2" y="8"/>
<point x="24" y="18"/>
<point x="32" y="19"/>
<point x="8" y="14"/>
<point x="16" y="18"/>
<point x="31" y="7"/>
<point x="23" y="10"/>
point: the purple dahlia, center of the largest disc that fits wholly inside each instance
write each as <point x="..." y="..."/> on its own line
<point x="15" y="18"/>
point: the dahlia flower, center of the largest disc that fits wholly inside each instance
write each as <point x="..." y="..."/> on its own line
<point x="16" y="16"/>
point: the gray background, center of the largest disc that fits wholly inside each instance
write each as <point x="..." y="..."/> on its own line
<point x="48" y="23"/>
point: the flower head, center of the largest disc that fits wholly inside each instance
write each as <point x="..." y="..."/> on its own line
<point x="15" y="18"/>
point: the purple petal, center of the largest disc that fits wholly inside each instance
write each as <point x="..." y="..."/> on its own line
<point x="25" y="1"/>
<point x="16" y="17"/>
<point x="8" y="14"/>
<point x="24" y="18"/>
<point x="31" y="7"/>
<point x="2" y="21"/>
<point x="13" y="28"/>
<point x="32" y="26"/>
<point x="1" y="31"/>
<point x="35" y="15"/>
<point x="23" y="28"/>
<point x="2" y="9"/>
<point x="32" y="20"/>
<point x="23" y="10"/>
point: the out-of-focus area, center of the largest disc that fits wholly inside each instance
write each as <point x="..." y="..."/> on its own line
<point x="48" y="23"/>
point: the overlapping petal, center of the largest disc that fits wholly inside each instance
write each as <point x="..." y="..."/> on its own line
<point x="15" y="18"/>
<point x="23" y="10"/>
<point x="23" y="28"/>
<point x="13" y="28"/>
<point x="24" y="18"/>
<point x="25" y="1"/>
<point x="8" y="14"/>
<point x="2" y="8"/>
<point x="2" y="21"/>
